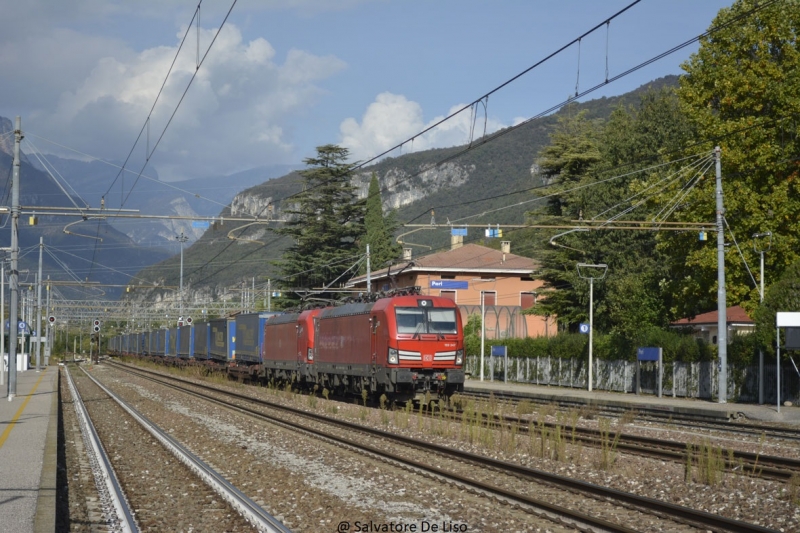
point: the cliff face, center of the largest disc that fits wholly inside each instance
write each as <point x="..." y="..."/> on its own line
<point x="248" y="204"/>
<point x="401" y="186"/>
<point x="404" y="187"/>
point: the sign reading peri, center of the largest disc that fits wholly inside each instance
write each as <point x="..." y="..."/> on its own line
<point x="449" y="284"/>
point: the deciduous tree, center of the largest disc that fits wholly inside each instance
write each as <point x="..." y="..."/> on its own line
<point x="742" y="90"/>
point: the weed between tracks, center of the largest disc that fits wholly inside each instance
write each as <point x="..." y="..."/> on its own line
<point x="705" y="463"/>
<point x="476" y="426"/>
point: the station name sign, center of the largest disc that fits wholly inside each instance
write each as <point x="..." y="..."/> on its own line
<point x="449" y="284"/>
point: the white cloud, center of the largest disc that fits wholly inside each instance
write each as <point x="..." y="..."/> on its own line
<point x="236" y="115"/>
<point x="392" y="118"/>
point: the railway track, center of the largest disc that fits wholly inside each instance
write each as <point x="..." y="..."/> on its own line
<point x="251" y="512"/>
<point x="652" y="415"/>
<point x="735" y="461"/>
<point x="510" y="483"/>
<point x="117" y="513"/>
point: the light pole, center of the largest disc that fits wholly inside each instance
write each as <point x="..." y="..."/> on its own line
<point x="14" y="275"/>
<point x="722" y="310"/>
<point x="483" y="321"/>
<point x="591" y="268"/>
<point x="182" y="238"/>
<point x="761" y="251"/>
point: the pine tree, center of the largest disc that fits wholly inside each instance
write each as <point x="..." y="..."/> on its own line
<point x="379" y="229"/>
<point x="327" y="221"/>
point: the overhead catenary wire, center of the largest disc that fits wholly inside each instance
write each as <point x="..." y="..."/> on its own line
<point x="177" y="106"/>
<point x="667" y="210"/>
<point x="546" y="112"/>
<point x="47" y="167"/>
<point x="501" y="86"/>
<point x="180" y="101"/>
<point x="669" y="178"/>
<point x="146" y="124"/>
<point x="573" y="189"/>
<point x="746" y="266"/>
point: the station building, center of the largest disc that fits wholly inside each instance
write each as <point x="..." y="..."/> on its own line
<point x="472" y="275"/>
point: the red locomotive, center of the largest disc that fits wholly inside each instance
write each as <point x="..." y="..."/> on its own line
<point x="407" y="347"/>
<point x="287" y="351"/>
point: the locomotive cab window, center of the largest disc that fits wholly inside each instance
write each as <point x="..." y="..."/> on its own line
<point x="410" y="319"/>
<point x="442" y="321"/>
<point x="416" y="320"/>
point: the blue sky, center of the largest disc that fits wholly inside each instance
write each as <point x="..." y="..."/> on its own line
<point x="286" y="76"/>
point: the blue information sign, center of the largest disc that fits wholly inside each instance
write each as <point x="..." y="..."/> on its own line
<point x="583" y="328"/>
<point x="647" y="354"/>
<point x="200" y="224"/>
<point x="499" y="351"/>
<point x="459" y="231"/>
<point x="449" y="284"/>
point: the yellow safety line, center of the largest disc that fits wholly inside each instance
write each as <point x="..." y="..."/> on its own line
<point x="7" y="432"/>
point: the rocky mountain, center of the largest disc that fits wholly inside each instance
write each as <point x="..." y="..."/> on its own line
<point x="200" y="198"/>
<point x="488" y="183"/>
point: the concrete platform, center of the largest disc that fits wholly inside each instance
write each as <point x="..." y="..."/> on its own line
<point x="643" y="402"/>
<point x="28" y="452"/>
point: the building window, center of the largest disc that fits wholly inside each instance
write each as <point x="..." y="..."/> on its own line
<point x="489" y="297"/>
<point x="450" y="295"/>
<point x="527" y="299"/>
<point x="526" y="278"/>
<point x="448" y="276"/>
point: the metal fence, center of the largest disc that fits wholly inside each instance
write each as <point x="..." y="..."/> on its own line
<point x="680" y="380"/>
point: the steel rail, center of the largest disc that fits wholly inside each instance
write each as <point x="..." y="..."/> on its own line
<point x="549" y="510"/>
<point x="107" y="483"/>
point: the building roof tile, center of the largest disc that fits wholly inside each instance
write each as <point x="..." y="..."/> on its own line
<point x="734" y="314"/>
<point x="469" y="257"/>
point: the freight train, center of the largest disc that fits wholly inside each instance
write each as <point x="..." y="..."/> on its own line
<point x="406" y="346"/>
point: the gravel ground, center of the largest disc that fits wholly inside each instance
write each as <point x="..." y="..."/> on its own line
<point x="308" y="484"/>
<point x="163" y="493"/>
<point x="313" y="486"/>
<point x="768" y="503"/>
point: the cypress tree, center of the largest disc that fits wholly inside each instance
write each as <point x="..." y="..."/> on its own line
<point x="379" y="229"/>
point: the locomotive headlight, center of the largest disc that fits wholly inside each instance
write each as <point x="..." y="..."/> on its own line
<point x="459" y="357"/>
<point x="393" y="356"/>
<point x="310" y="354"/>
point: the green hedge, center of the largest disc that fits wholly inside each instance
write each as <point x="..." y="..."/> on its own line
<point x="677" y="346"/>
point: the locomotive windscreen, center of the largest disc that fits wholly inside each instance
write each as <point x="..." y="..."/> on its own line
<point x="420" y="320"/>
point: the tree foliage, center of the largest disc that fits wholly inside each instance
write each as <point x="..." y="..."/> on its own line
<point x="564" y="164"/>
<point x="379" y="229"/>
<point x="327" y="220"/>
<point x="602" y="185"/>
<point x="784" y="295"/>
<point x="742" y="88"/>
